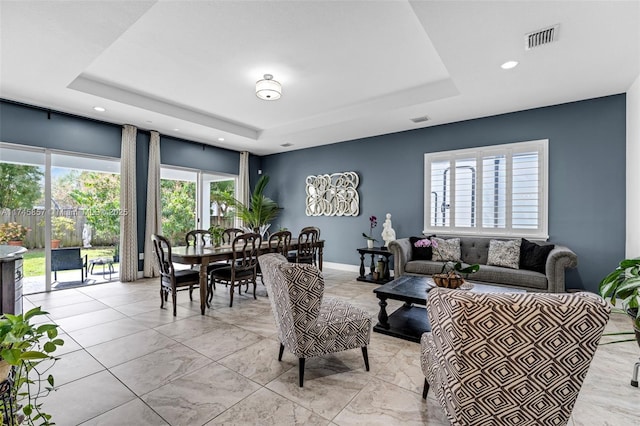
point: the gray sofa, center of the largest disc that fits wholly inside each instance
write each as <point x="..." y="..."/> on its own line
<point x="476" y="250"/>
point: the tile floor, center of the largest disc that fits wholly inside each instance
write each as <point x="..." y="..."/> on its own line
<point x="127" y="362"/>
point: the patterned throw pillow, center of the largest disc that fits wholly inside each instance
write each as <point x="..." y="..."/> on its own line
<point x="447" y="250"/>
<point x="504" y="253"/>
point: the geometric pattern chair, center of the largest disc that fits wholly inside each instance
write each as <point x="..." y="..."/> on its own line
<point x="509" y="359"/>
<point x="309" y="324"/>
<point x="171" y="280"/>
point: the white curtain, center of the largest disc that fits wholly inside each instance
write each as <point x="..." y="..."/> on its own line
<point x="154" y="206"/>
<point x="128" y="222"/>
<point x="243" y="180"/>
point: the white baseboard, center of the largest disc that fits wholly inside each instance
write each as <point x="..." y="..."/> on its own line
<point x="341" y="266"/>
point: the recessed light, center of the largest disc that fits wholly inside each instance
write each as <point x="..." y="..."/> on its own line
<point x="99" y="109"/>
<point x="508" y="65"/>
<point x="176" y="130"/>
<point x="221" y="139"/>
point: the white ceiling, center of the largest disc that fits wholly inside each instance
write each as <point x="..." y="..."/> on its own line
<point x="349" y="69"/>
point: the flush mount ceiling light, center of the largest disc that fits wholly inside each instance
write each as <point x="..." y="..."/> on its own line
<point x="508" y="65"/>
<point x="99" y="109"/>
<point x="268" y="89"/>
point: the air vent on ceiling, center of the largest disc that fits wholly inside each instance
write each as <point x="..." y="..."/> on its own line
<point x="420" y="119"/>
<point x="541" y="37"/>
<point x="286" y="144"/>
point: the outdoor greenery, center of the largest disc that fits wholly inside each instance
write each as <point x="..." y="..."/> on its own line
<point x="21" y="186"/>
<point x="178" y="209"/>
<point x="99" y="195"/>
<point x="33" y="265"/>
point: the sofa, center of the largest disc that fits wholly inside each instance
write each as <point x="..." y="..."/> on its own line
<point x="550" y="276"/>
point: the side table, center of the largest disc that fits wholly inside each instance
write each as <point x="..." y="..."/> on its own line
<point x="384" y="255"/>
<point x="104" y="261"/>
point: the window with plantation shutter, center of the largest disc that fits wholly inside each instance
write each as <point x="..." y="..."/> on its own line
<point x="499" y="190"/>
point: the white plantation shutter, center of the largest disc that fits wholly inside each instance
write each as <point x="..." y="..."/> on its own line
<point x="496" y="190"/>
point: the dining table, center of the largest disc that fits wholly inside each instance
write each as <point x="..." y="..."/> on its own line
<point x="203" y="255"/>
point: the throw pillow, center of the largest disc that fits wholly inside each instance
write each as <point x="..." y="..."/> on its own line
<point x="420" y="253"/>
<point x="504" y="253"/>
<point x="446" y="250"/>
<point x="533" y="257"/>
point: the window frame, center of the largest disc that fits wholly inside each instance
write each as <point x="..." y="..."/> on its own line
<point x="541" y="146"/>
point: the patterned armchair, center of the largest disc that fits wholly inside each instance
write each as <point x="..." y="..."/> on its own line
<point x="309" y="324"/>
<point x="510" y="359"/>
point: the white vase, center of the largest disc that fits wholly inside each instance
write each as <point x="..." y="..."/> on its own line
<point x="370" y="244"/>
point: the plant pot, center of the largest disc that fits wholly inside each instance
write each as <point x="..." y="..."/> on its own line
<point x="370" y="244"/>
<point x="447" y="280"/>
<point x="15" y="243"/>
<point x="633" y="313"/>
<point x="55" y="244"/>
<point x="5" y="368"/>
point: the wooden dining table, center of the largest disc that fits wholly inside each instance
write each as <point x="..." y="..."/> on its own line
<point x="203" y="255"/>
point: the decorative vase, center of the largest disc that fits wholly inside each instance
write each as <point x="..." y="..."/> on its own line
<point x="15" y="243"/>
<point x="370" y="244"/>
<point x="448" y="280"/>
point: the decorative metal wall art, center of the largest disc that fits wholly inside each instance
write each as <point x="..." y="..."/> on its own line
<point x="333" y="195"/>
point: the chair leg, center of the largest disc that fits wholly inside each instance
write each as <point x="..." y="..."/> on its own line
<point x="425" y="389"/>
<point x="365" y="355"/>
<point x="231" y="294"/>
<point x="634" y="379"/>
<point x="281" y="351"/>
<point x="161" y="298"/>
<point x="255" y="284"/>
<point x="191" y="292"/>
<point x="301" y="370"/>
<point x="174" y="298"/>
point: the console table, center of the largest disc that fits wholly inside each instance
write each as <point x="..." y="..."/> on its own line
<point x="384" y="254"/>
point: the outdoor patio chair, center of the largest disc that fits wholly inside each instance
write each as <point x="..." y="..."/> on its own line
<point x="68" y="259"/>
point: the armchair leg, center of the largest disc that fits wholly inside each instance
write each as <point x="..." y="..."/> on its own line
<point x="281" y="351"/>
<point x="301" y="370"/>
<point x="365" y="355"/>
<point x="425" y="389"/>
<point x="634" y="378"/>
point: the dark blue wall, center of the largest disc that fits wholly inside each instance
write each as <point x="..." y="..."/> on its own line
<point x="25" y="125"/>
<point x="586" y="179"/>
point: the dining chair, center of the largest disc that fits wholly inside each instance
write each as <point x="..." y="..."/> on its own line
<point x="242" y="269"/>
<point x="202" y="237"/>
<point x="172" y="280"/>
<point x="309" y="324"/>
<point x="230" y="233"/>
<point x="509" y="358"/>
<point x="307" y="251"/>
<point x="279" y="242"/>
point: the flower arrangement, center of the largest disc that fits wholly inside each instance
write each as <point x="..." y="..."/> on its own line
<point x="12" y="231"/>
<point x="450" y="274"/>
<point x="373" y="222"/>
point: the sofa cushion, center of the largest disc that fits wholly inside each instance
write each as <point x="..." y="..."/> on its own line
<point x="510" y="277"/>
<point x="533" y="257"/>
<point x="474" y="250"/>
<point x="419" y="253"/>
<point x="425" y="267"/>
<point x="504" y="253"/>
<point x="446" y="250"/>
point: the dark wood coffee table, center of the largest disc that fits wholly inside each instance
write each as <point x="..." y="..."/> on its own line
<point x="409" y="322"/>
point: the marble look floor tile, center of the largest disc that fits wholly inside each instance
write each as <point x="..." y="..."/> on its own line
<point x="259" y="361"/>
<point x="53" y="300"/>
<point x="124" y="349"/>
<point x="73" y="366"/>
<point x="142" y="306"/>
<point x="381" y="403"/>
<point x="78" y="322"/>
<point x="265" y="407"/>
<point x="105" y="332"/>
<point x="53" y="295"/>
<point x="69" y="345"/>
<point x="328" y="388"/>
<point x="190" y="327"/>
<point x="86" y="398"/>
<point x="404" y="370"/>
<point x="59" y="312"/>
<point x="151" y="371"/>
<point x="195" y="398"/>
<point x="134" y="413"/>
<point x="116" y="300"/>
<point x="158" y="317"/>
<point x="222" y="342"/>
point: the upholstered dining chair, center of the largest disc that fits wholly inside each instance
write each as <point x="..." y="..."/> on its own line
<point x="172" y="280"/>
<point x="307" y="251"/>
<point x="242" y="269"/>
<point x="309" y="324"/>
<point x="509" y="359"/>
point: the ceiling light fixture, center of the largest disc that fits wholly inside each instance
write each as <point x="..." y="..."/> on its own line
<point x="508" y="65"/>
<point x="221" y="139"/>
<point x="176" y="130"/>
<point x="99" y="109"/>
<point x="268" y="89"/>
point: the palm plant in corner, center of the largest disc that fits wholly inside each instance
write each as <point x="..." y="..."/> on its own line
<point x="261" y="210"/>
<point x="25" y="357"/>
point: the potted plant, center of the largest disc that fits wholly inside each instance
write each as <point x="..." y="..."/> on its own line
<point x="60" y="226"/>
<point x="216" y="235"/>
<point x="12" y="233"/>
<point x="373" y="222"/>
<point x="23" y="347"/>
<point x="624" y="284"/>
<point x="261" y="210"/>
<point x="451" y="274"/>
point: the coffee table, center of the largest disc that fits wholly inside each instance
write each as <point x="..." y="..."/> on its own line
<point x="409" y="322"/>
